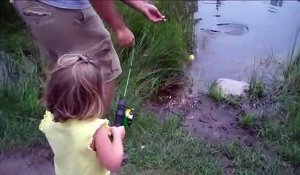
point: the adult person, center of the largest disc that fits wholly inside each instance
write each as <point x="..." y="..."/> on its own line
<point x="68" y="26"/>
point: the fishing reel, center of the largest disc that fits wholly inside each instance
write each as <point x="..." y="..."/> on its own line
<point x="123" y="116"/>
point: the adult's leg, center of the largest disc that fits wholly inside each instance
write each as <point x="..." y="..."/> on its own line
<point x="109" y="89"/>
<point x="60" y="31"/>
<point x="103" y="51"/>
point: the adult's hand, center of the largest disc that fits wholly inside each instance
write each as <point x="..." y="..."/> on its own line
<point x="125" y="37"/>
<point x="151" y="12"/>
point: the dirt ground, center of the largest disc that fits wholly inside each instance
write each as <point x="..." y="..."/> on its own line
<point x="27" y="162"/>
<point x="36" y="161"/>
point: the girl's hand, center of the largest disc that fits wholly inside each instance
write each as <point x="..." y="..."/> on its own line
<point x="125" y="37"/>
<point x="110" y="152"/>
<point x="118" y="132"/>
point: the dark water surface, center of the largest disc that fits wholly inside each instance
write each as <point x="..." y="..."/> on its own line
<point x="233" y="36"/>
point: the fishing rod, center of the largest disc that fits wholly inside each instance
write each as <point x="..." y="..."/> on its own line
<point x="124" y="115"/>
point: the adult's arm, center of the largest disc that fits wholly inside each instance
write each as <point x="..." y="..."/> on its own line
<point x="107" y="11"/>
<point x="150" y="11"/>
<point x="109" y="14"/>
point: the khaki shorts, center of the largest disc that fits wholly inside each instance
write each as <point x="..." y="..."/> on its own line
<point x="59" y="31"/>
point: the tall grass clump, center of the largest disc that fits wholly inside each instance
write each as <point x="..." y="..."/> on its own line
<point x="290" y="94"/>
<point x="160" y="50"/>
<point x="287" y="132"/>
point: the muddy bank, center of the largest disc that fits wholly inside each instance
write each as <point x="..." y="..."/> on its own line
<point x="206" y="118"/>
<point x="216" y="122"/>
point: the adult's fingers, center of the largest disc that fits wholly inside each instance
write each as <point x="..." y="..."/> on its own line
<point x="128" y="44"/>
<point x="158" y="13"/>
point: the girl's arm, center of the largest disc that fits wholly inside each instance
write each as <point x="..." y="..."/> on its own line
<point x="110" y="153"/>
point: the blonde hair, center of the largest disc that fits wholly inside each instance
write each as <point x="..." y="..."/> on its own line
<point x="74" y="89"/>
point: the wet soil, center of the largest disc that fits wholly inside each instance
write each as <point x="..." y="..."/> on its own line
<point x="216" y="122"/>
<point x="206" y="118"/>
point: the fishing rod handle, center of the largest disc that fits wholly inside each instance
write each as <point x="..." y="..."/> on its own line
<point x="120" y="114"/>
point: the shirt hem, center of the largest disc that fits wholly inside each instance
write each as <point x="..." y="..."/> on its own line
<point x="69" y="7"/>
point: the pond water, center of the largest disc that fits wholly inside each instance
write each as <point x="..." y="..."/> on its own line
<point x="232" y="37"/>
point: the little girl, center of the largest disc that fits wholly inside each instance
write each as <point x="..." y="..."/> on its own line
<point x="73" y="124"/>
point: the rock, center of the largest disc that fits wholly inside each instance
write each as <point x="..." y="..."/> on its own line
<point x="233" y="88"/>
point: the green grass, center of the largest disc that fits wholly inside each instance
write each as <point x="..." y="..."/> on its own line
<point x="215" y="93"/>
<point x="280" y="136"/>
<point x="247" y="120"/>
<point x="284" y="131"/>
<point x="253" y="160"/>
<point x="256" y="89"/>
<point x="160" y="49"/>
<point x="167" y="149"/>
<point x="20" y="110"/>
<point x="283" y="128"/>
<point x="290" y="89"/>
<point x="290" y="93"/>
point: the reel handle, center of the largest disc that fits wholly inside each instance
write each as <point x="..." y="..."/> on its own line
<point x="120" y="114"/>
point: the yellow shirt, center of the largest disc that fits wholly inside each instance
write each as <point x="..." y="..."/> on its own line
<point x="70" y="141"/>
